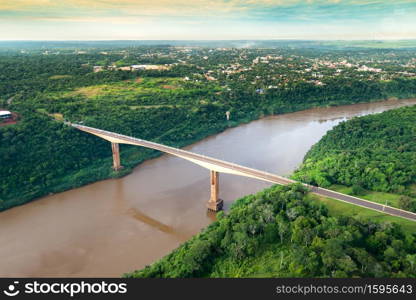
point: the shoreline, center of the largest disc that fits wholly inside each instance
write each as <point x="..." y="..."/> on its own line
<point x="142" y="217"/>
<point x="64" y="186"/>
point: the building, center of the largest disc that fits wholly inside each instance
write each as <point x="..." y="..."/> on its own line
<point x="98" y="68"/>
<point x="5" y="114"/>
<point x="149" y="67"/>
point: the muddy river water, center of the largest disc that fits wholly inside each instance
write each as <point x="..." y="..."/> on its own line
<point x="115" y="226"/>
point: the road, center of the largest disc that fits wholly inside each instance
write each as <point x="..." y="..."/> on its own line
<point x="231" y="168"/>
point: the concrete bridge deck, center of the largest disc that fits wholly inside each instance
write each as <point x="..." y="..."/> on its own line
<point x="220" y="166"/>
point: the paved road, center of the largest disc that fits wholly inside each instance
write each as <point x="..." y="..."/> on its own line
<point x="244" y="171"/>
<point x="364" y="203"/>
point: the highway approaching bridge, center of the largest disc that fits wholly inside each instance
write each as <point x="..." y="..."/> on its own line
<point x="217" y="166"/>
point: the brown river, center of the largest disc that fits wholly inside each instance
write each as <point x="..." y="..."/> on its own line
<point x="115" y="226"/>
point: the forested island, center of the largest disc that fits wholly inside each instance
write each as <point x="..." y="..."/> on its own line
<point x="284" y="231"/>
<point x="172" y="94"/>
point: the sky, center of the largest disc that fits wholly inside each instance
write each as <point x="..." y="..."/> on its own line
<point x="207" y="19"/>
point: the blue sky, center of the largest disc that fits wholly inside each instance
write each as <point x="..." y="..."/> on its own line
<point x="206" y="19"/>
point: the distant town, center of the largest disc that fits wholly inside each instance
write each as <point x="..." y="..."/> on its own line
<point x="262" y="68"/>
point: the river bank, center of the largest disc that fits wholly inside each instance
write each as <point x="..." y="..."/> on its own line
<point x="113" y="226"/>
<point x="131" y="157"/>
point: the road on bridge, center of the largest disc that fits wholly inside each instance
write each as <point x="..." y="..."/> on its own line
<point x="228" y="167"/>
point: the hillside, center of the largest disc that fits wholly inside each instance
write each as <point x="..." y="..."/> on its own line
<point x="370" y="153"/>
<point x="284" y="232"/>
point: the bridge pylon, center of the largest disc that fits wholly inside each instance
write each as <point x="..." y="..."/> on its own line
<point x="214" y="203"/>
<point x="116" y="156"/>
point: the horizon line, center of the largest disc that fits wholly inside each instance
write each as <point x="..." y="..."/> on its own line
<point x="259" y="39"/>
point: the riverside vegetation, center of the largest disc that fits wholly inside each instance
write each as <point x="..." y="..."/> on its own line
<point x="184" y="102"/>
<point x="375" y="153"/>
<point x="285" y="232"/>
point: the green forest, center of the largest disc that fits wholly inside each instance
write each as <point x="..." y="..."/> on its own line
<point x="375" y="153"/>
<point x="284" y="232"/>
<point x="176" y="106"/>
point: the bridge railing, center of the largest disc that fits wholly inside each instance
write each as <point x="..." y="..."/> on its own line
<point x="235" y="167"/>
<point x="250" y="172"/>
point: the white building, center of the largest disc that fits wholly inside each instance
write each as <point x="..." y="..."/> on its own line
<point x="5" y="114"/>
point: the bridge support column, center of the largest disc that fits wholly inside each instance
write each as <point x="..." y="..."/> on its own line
<point x="116" y="156"/>
<point x="214" y="203"/>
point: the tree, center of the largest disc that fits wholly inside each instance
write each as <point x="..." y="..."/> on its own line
<point x="411" y="259"/>
<point x="283" y="227"/>
<point x="358" y="190"/>
<point x="406" y="203"/>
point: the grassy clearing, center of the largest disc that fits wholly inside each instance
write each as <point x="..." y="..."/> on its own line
<point x="139" y="93"/>
<point x="42" y="110"/>
<point x="129" y="88"/>
<point x="378" y="197"/>
<point x="56" y="116"/>
<point x="134" y="107"/>
<point x="89" y="91"/>
<point x="338" y="208"/>
<point x="60" y="76"/>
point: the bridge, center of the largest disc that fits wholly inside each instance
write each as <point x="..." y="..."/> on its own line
<point x="217" y="166"/>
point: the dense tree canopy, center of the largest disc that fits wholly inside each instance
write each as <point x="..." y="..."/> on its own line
<point x="280" y="232"/>
<point x="176" y="105"/>
<point x="375" y="152"/>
